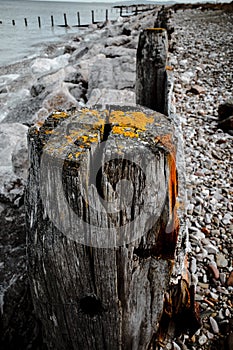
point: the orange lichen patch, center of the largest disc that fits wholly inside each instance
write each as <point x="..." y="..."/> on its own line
<point x="173" y="186"/>
<point x="69" y="138"/>
<point x="40" y="123"/>
<point x="127" y="132"/>
<point x="137" y="120"/>
<point x="60" y="115"/>
<point x="169" y="68"/>
<point x="156" y="29"/>
<point x="167" y="142"/>
<point x="49" y="132"/>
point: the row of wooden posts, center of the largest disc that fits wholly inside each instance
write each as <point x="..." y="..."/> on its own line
<point x="65" y="20"/>
<point x="123" y="11"/>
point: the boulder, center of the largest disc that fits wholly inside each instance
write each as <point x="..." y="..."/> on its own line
<point x="113" y="51"/>
<point x="225" y="109"/>
<point x="44" y="65"/>
<point x="13" y="160"/>
<point x="119" y="40"/>
<point x="60" y="99"/>
<point x="227" y="125"/>
<point x="118" y="73"/>
<point x="111" y="96"/>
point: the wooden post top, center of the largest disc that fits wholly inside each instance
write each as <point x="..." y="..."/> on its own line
<point x="72" y="133"/>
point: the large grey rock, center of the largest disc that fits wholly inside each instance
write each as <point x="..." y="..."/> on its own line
<point x="13" y="160"/>
<point x="113" y="51"/>
<point x="118" y="73"/>
<point x="119" y="40"/>
<point x="111" y="96"/>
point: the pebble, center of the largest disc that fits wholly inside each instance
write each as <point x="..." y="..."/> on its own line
<point x="202" y="340"/>
<point x="221" y="260"/>
<point x="214" y="270"/>
<point x="230" y="279"/>
<point x="214" y="325"/>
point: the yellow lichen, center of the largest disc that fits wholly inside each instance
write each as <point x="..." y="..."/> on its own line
<point x="156" y="29"/>
<point x="137" y="120"/>
<point x="127" y="132"/>
<point x="59" y="115"/>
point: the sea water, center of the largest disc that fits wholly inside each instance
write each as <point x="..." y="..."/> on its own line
<point x="20" y="41"/>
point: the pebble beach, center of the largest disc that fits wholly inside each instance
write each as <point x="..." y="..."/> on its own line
<point x="72" y="74"/>
<point x="203" y="57"/>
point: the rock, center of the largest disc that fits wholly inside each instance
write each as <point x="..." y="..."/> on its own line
<point x="60" y="99"/>
<point x="115" y="73"/>
<point x="20" y="159"/>
<point x="196" y="89"/>
<point x="230" y="279"/>
<point x="85" y="65"/>
<point x="186" y="77"/>
<point x="225" y="109"/>
<point x="101" y="75"/>
<point x="119" y="40"/>
<point x="111" y="96"/>
<point x="44" y="65"/>
<point x="214" y="325"/>
<point x="113" y="51"/>
<point x="37" y="89"/>
<point x="202" y="340"/>
<point x="221" y="260"/>
<point x="213" y="270"/>
<point x="226" y="125"/>
<point x="13" y="159"/>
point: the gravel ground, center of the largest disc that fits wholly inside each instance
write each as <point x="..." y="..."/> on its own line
<point x="203" y="56"/>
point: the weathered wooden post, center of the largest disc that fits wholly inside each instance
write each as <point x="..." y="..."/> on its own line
<point x="106" y="246"/>
<point x="92" y="16"/>
<point x="25" y="22"/>
<point x="13" y="22"/>
<point x="39" y="22"/>
<point x="52" y="21"/>
<point x="65" y="20"/>
<point x="106" y="15"/>
<point x="78" y="15"/>
<point x="151" y="78"/>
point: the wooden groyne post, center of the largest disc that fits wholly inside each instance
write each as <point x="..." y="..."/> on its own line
<point x="151" y="81"/>
<point x="65" y="20"/>
<point x="78" y="15"/>
<point x="103" y="229"/>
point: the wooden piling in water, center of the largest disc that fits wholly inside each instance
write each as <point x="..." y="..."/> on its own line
<point x="92" y="17"/>
<point x="78" y="15"/>
<point x="39" y="22"/>
<point x="65" y="20"/>
<point x="106" y="17"/>
<point x="13" y="22"/>
<point x="25" y="22"/>
<point x="52" y="21"/>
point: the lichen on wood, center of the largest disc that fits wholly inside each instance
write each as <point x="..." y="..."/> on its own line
<point x="102" y="225"/>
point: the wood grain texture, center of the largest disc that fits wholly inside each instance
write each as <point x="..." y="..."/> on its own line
<point x="151" y="80"/>
<point x="95" y="285"/>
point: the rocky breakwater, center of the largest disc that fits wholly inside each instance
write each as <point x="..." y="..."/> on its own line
<point x="202" y="63"/>
<point x="73" y="73"/>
